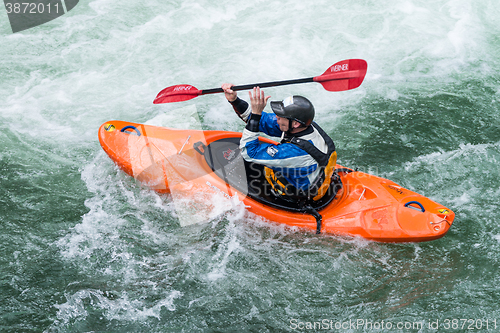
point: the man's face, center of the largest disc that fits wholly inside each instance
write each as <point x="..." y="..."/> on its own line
<point x="283" y="123"/>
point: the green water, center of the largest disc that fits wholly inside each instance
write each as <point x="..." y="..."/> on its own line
<point x="84" y="248"/>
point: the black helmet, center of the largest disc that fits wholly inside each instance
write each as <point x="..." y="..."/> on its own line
<point x="295" y="108"/>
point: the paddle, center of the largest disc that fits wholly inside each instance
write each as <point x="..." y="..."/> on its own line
<point x="344" y="75"/>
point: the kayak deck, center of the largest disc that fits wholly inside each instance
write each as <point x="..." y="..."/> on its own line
<point x="176" y="160"/>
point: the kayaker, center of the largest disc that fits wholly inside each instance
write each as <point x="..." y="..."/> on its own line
<point x="301" y="167"/>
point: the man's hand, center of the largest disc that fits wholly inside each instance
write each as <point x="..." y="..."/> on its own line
<point x="228" y="92"/>
<point x="257" y="100"/>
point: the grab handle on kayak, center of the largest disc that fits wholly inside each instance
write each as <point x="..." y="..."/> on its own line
<point x="415" y="203"/>
<point x="309" y="209"/>
<point x="130" y="127"/>
<point x="197" y="145"/>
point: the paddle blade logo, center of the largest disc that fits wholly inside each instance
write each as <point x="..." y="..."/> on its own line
<point x="26" y="14"/>
<point x="339" y="68"/>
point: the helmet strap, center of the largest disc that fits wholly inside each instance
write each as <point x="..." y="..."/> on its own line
<point x="290" y="127"/>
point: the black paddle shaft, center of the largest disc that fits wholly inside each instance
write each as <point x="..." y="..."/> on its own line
<point x="261" y="85"/>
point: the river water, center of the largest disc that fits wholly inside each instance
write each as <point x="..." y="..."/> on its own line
<point x="85" y="248"/>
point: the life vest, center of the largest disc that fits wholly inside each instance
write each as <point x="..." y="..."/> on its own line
<point x="326" y="163"/>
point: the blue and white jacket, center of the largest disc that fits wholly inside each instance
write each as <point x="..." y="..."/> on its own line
<point x="294" y="163"/>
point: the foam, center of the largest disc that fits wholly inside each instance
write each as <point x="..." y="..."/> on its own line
<point x="123" y="308"/>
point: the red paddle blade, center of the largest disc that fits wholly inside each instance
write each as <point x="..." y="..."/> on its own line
<point x="178" y="93"/>
<point x="344" y="75"/>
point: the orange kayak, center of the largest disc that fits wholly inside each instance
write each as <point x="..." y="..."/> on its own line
<point x="200" y="165"/>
